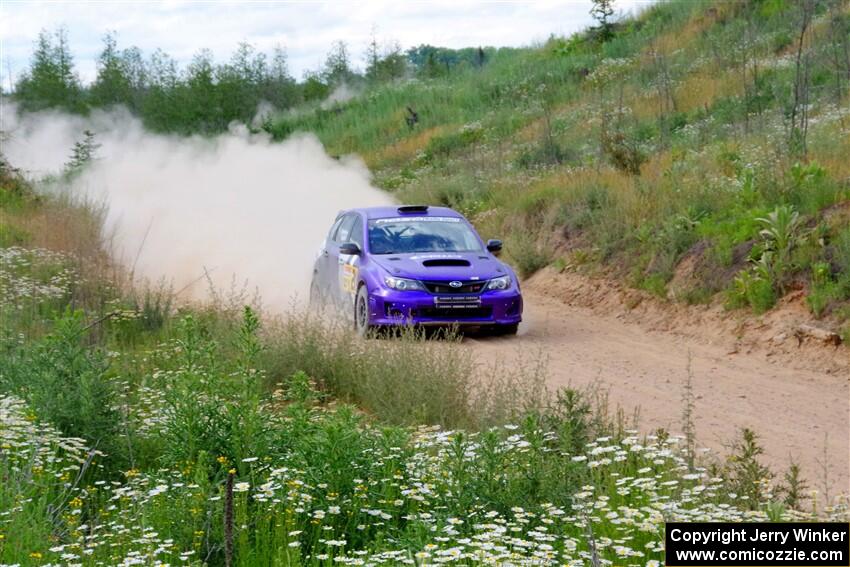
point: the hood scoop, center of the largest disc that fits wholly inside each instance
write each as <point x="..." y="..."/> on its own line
<point x="445" y="262"/>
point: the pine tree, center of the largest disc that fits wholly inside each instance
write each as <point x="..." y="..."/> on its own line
<point x="280" y="88"/>
<point x="50" y="80"/>
<point x="82" y="153"/>
<point x="338" y="65"/>
<point x="112" y="85"/>
<point x="603" y="12"/>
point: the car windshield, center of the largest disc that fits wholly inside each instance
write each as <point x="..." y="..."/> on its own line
<point x="411" y="235"/>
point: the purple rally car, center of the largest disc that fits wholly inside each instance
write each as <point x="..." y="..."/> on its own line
<point x="414" y="265"/>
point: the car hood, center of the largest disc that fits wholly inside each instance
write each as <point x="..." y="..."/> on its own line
<point x="442" y="266"/>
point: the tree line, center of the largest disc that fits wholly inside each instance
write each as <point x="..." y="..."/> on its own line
<point x="205" y="96"/>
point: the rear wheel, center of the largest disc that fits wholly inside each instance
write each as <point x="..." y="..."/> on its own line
<point x="361" y="311"/>
<point x="317" y="298"/>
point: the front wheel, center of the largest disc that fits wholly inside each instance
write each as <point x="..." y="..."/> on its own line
<point x="361" y="311"/>
<point x="506" y="330"/>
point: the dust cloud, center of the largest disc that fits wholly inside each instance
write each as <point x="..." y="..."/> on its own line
<point x="341" y="94"/>
<point x="236" y="206"/>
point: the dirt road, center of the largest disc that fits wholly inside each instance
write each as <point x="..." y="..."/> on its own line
<point x="797" y="413"/>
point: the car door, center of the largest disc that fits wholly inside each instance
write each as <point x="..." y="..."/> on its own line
<point x="349" y="264"/>
<point x="325" y="270"/>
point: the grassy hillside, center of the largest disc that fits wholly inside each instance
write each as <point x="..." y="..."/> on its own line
<point x="715" y="131"/>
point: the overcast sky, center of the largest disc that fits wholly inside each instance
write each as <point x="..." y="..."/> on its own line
<point x="305" y="29"/>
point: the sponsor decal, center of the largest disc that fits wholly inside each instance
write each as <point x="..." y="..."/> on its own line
<point x="436" y="257"/>
<point x="348" y="274"/>
<point x="417" y="219"/>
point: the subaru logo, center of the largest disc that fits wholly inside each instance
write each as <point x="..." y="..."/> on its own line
<point x="455" y="284"/>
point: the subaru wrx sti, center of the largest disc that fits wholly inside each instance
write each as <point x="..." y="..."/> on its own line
<point x="419" y="265"/>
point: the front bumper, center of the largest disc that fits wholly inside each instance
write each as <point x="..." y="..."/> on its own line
<point x="390" y="307"/>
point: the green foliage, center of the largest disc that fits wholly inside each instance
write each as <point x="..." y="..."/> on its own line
<point x="752" y="287"/>
<point x="823" y="289"/>
<point x="82" y="153"/>
<point x="623" y="151"/>
<point x="432" y="62"/>
<point x="387" y="64"/>
<point x="67" y="383"/>
<point x="214" y="404"/>
<point x="205" y="97"/>
<point x="545" y="153"/>
<point x="113" y="84"/>
<point x="744" y="472"/>
<point x="656" y="284"/>
<point x="810" y="187"/>
<point x="528" y="252"/>
<point x="603" y="12"/>
<point x="337" y="70"/>
<point x="783" y="230"/>
<point x="51" y="80"/>
<point x="448" y="145"/>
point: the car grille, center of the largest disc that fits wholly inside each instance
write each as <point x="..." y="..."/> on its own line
<point x="483" y="312"/>
<point x="466" y="287"/>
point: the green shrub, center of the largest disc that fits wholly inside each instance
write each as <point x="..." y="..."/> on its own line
<point x="822" y="289"/>
<point x="11" y="235"/>
<point x="447" y="145"/>
<point x="528" y="253"/>
<point x="656" y="284"/>
<point x="810" y="187"/>
<point x="67" y="383"/>
<point x="545" y="153"/>
<point x="783" y="231"/>
<point x="744" y="472"/>
<point x="213" y="403"/>
<point x="752" y="288"/>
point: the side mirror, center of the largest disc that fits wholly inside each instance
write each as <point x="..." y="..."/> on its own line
<point x="350" y="249"/>
<point x="494" y="246"/>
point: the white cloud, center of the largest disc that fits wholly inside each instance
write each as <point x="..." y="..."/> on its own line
<point x="306" y="29"/>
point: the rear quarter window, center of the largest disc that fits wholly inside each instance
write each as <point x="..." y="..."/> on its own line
<point x="344" y="231"/>
<point x="356" y="235"/>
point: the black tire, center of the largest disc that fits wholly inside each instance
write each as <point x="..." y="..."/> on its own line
<point x="317" y="297"/>
<point x="361" y="312"/>
<point x="506" y="330"/>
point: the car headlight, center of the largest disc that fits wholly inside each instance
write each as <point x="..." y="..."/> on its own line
<point x="402" y="284"/>
<point x="503" y="282"/>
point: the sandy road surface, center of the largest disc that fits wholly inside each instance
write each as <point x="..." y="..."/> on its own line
<point x="796" y="412"/>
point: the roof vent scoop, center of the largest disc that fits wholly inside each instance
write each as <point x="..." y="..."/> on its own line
<point x="445" y="262"/>
<point x="408" y="209"/>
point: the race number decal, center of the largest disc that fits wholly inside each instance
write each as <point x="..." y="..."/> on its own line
<point x="348" y="275"/>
